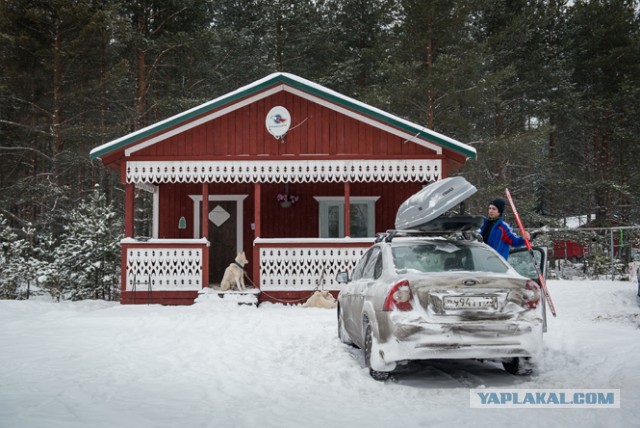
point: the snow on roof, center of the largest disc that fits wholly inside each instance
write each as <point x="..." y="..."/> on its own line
<point x="299" y="83"/>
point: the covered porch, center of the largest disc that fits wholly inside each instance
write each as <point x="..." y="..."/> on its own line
<point x="190" y="247"/>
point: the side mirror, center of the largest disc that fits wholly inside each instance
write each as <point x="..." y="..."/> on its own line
<point x="342" y="277"/>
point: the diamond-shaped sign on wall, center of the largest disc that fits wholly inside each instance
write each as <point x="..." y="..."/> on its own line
<point x="218" y="216"/>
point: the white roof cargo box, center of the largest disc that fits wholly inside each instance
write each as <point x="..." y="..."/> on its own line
<point x="426" y="209"/>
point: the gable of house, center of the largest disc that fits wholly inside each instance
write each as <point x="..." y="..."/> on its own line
<point x="324" y="124"/>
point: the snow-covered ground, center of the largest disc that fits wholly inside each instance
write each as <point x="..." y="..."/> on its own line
<point x="99" y="364"/>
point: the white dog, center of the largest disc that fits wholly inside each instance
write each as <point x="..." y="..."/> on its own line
<point x="321" y="299"/>
<point x="234" y="274"/>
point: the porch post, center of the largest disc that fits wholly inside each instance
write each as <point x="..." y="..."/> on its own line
<point x="129" y="202"/>
<point x="347" y="208"/>
<point x="256" y="209"/>
<point x="204" y="213"/>
<point x="256" y="233"/>
<point x="204" y="220"/>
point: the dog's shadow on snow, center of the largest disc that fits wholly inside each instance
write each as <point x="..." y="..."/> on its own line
<point x="444" y="374"/>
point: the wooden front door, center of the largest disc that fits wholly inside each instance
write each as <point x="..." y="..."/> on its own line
<point x="223" y="229"/>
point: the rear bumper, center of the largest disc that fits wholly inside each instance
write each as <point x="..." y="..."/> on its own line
<point x="417" y="340"/>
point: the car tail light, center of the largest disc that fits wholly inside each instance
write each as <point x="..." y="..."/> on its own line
<point x="399" y="297"/>
<point x="531" y="295"/>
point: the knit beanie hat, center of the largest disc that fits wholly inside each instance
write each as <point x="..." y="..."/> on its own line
<point x="498" y="203"/>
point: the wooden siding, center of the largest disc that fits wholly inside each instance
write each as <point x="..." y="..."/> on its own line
<point x="158" y="297"/>
<point x="315" y="130"/>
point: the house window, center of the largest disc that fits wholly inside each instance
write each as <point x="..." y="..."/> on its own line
<point x="332" y="216"/>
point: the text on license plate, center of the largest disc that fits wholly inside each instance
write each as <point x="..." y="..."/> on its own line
<point x="470" y="302"/>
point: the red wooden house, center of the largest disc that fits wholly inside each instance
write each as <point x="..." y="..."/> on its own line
<point x="218" y="173"/>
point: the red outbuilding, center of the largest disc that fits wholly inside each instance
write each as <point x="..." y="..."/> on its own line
<point x="219" y="174"/>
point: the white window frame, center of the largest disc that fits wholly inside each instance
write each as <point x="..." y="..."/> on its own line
<point x="325" y="201"/>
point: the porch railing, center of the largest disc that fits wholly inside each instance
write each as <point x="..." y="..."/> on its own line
<point x="163" y="264"/>
<point x="285" y="264"/>
<point x="293" y="264"/>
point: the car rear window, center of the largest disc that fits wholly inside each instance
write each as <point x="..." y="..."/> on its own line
<point x="446" y="256"/>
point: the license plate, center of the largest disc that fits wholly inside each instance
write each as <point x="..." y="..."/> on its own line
<point x="470" y="302"/>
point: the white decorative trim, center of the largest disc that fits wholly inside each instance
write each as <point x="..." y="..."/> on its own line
<point x="285" y="171"/>
<point x="197" y="210"/>
<point x="305" y="268"/>
<point x="163" y="269"/>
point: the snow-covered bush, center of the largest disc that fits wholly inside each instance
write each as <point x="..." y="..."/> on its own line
<point x="86" y="263"/>
<point x="599" y="267"/>
<point x="18" y="264"/>
<point x="81" y="263"/>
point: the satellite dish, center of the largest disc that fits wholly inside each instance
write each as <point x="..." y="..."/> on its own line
<point x="278" y="121"/>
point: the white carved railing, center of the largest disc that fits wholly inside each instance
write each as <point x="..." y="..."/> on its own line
<point x="304" y="264"/>
<point x="288" y="264"/>
<point x="163" y="264"/>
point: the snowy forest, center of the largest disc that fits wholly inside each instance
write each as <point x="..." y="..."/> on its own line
<point x="547" y="91"/>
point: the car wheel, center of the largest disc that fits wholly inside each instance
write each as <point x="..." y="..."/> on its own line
<point x="519" y="366"/>
<point x="368" y="343"/>
<point x="342" y="333"/>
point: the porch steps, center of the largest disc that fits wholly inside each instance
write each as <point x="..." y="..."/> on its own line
<point x="209" y="295"/>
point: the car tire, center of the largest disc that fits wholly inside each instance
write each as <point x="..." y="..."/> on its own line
<point x="368" y="343"/>
<point x="342" y="332"/>
<point x="519" y="366"/>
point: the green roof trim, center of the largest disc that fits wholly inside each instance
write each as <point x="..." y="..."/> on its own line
<point x="295" y="82"/>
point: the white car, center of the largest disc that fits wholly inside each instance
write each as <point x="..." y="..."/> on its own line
<point x="421" y="298"/>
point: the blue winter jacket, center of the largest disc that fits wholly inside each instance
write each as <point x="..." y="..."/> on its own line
<point x="502" y="237"/>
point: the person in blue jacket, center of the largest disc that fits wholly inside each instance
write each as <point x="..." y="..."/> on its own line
<point x="497" y="233"/>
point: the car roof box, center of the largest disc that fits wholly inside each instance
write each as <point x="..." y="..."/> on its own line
<point x="426" y="209"/>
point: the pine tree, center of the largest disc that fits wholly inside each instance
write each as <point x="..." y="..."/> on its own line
<point x="258" y="37"/>
<point x="521" y="75"/>
<point x="8" y="252"/>
<point x="433" y="65"/>
<point x="604" y="60"/>
<point x="359" y="46"/>
<point x="54" y="82"/>
<point x="86" y="263"/>
<point x="18" y="262"/>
